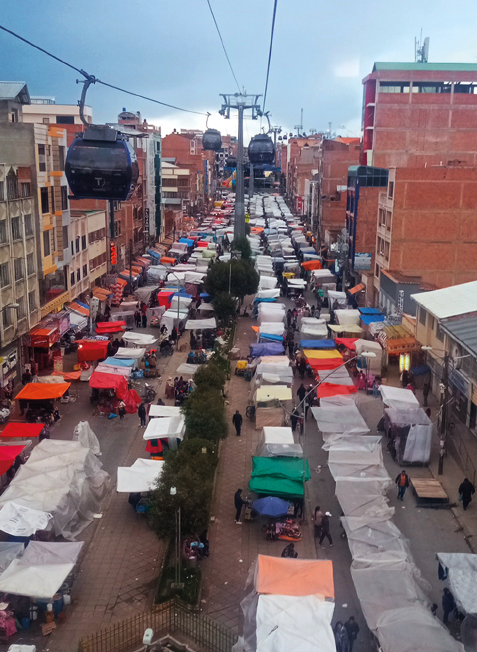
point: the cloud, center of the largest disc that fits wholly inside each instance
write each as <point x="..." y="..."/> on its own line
<point x="347" y="69"/>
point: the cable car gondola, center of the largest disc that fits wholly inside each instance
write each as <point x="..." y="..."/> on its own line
<point x="102" y="164"/>
<point x="261" y="149"/>
<point x="212" y="140"/>
<point x="231" y="162"/>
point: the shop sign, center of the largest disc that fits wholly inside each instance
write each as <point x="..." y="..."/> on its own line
<point x="146" y="224"/>
<point x="58" y="363"/>
<point x="8" y="364"/>
<point x="362" y="262"/>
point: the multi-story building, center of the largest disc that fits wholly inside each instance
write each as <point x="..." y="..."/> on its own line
<point x="185" y="150"/>
<point x="45" y="110"/>
<point x="19" y="231"/>
<point x="302" y="165"/>
<point x="175" y="191"/>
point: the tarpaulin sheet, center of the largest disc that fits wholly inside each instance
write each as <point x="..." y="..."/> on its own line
<point x="8" y="552"/>
<point x="126" y="353"/>
<point x="42" y="391"/>
<point x="68" y="375"/>
<point x="317" y="344"/>
<point x="193" y="324"/>
<point x="348" y="342"/>
<point x="20" y="429"/>
<point x="345" y="317"/>
<point x="297" y="577"/>
<point x="322" y="355"/>
<point x="462" y="569"/>
<point x="311" y="264"/>
<point x="369" y="319"/>
<point x="118" y="326"/>
<point x="21" y="521"/>
<point x="339" y="419"/>
<point x="165" y="427"/>
<point x="101" y="380"/>
<point x="110" y="369"/>
<point x="8" y="455"/>
<point x="327" y="363"/>
<point x="119" y="362"/>
<point x="139" y="339"/>
<point x="91" y="350"/>
<point x="139" y="477"/>
<point x="275" y="393"/>
<point x="164" y="411"/>
<point x="328" y="389"/>
<point x="396" y="397"/>
<point x="345" y="328"/>
<point x="270" y="348"/>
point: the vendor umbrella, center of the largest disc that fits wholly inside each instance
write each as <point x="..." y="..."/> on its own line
<point x="271" y="506"/>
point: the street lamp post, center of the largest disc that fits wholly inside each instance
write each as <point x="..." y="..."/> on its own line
<point x="177" y="515"/>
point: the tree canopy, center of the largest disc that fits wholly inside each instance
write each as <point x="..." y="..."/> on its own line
<point x="243" y="278"/>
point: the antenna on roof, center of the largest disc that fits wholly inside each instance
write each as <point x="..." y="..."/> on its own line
<point x="421" y="49"/>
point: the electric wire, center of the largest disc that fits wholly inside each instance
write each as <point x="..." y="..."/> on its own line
<point x="96" y="80"/>
<point x="270" y="53"/>
<point x="223" y="45"/>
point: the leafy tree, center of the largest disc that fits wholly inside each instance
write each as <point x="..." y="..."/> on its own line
<point x="209" y="376"/>
<point x="242" y="245"/>
<point x="225" y="307"/>
<point x="243" y="278"/>
<point x="205" y="415"/>
<point x="191" y="471"/>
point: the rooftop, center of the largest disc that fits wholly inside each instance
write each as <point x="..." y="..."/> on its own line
<point x="457" y="67"/>
<point x="464" y="331"/>
<point x="15" y="91"/>
<point x="449" y="302"/>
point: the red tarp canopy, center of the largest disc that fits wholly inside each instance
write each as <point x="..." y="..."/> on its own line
<point x="20" y="429"/>
<point x="91" y="350"/>
<point x="167" y="260"/>
<point x="165" y="297"/>
<point x="7" y="456"/>
<point x="44" y="337"/>
<point x="328" y="389"/>
<point x="202" y="244"/>
<point x="348" y="342"/>
<point x="325" y="363"/>
<point x="100" y="380"/>
<point x="42" y="391"/>
<point x="104" y="327"/>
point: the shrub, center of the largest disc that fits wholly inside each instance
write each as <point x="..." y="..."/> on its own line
<point x="242" y="245"/>
<point x="225" y="307"/>
<point x="243" y="278"/>
<point x="210" y="375"/>
<point x="204" y="413"/>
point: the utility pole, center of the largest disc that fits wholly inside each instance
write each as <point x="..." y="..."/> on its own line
<point x="251" y="182"/>
<point x="275" y="131"/>
<point x="241" y="102"/>
<point x="443" y="425"/>
<point x="130" y="266"/>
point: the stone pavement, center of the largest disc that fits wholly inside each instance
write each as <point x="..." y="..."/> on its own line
<point x="234" y="547"/>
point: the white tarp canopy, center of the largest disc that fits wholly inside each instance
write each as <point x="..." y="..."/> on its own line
<point x="129" y="354"/>
<point x="193" y="324"/>
<point x="268" y="294"/>
<point x="164" y="411"/>
<point x="339" y="419"/>
<point x="173" y="427"/>
<point x="267" y="283"/>
<point x="338" y="376"/>
<point x="396" y="397"/>
<point x="370" y="346"/>
<point x="296" y="282"/>
<point x="186" y="369"/>
<point x="86" y="436"/>
<point x="139" y="477"/>
<point x="267" y="306"/>
<point x="183" y="302"/>
<point x="63" y="478"/>
<point x="8" y="552"/>
<point x="462" y="569"/>
<point x="113" y="369"/>
<point x="340" y="298"/>
<point x="368" y="536"/>
<point x="364" y="497"/>
<point x="345" y="317"/>
<point x="41" y="570"/>
<point x="270" y="316"/>
<point x="204" y="307"/>
<point x="294" y="624"/>
<point x="22" y="521"/>
<point x="77" y="321"/>
<point x="275" y="370"/>
<point x="278" y="442"/>
<point x="272" y="328"/>
<point x="139" y="339"/>
<point x="318" y="331"/>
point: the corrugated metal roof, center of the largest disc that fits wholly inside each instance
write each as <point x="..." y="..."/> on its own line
<point x="464" y="67"/>
<point x="449" y="302"/>
<point x="12" y="90"/>
<point x="464" y="331"/>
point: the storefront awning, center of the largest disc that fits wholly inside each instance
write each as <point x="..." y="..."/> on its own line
<point x="78" y="307"/>
<point x="104" y="327"/>
<point x="44" y="337"/>
<point x="101" y="293"/>
<point x="42" y="391"/>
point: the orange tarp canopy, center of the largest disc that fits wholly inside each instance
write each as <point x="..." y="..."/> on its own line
<point x="70" y="375"/>
<point x="256" y="328"/>
<point x="298" y="577"/>
<point x="42" y="391"/>
<point x="328" y="389"/>
<point x="101" y="293"/>
<point x="20" y="429"/>
<point x="311" y="264"/>
<point x="166" y="260"/>
<point x="256" y="229"/>
<point x="357" y="288"/>
<point x="8" y="455"/>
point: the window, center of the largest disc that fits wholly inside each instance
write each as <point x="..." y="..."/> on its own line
<point x="61" y="154"/>
<point x="4" y="275"/>
<point x="12" y="185"/>
<point x="46" y="121"/>
<point x="42" y="158"/>
<point x="391" y="189"/>
<point x="30" y="264"/>
<point x="45" y="202"/>
<point x="439" y="333"/>
<point x="85" y="271"/>
<point x="52" y="199"/>
<point x="16" y="228"/>
<point x="7" y="318"/>
<point x="2" y="191"/>
<point x="65" y="119"/>
<point x="14" y="115"/>
<point x="78" y="275"/>
<point x="431" y="87"/>
<point x="192" y="146"/>
<point x="26" y="189"/>
<point x="72" y="278"/>
<point x="422" y="316"/>
<point x="3" y="231"/>
<point x="376" y="270"/>
<point x="77" y="244"/>
<point x="21" y="312"/>
<point x="117" y="228"/>
<point x="28" y="225"/>
<point x="18" y="268"/>
<point x="72" y="248"/>
<point x="83" y="242"/>
<point x="32" y="301"/>
<point x="46" y="243"/>
<point x="64" y="198"/>
<point x="65" y="237"/>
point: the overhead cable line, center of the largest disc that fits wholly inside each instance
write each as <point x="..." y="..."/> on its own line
<point x="96" y="80"/>
<point x="270" y="53"/>
<point x="223" y="45"/>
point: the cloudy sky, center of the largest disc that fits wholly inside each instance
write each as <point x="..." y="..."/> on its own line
<point x="171" y="51"/>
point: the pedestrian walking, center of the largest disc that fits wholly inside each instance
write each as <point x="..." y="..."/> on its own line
<point x="301" y="392"/>
<point x="402" y="481"/>
<point x="466" y="491"/>
<point x="239" y="503"/>
<point x="317" y="521"/>
<point x="142" y="413"/>
<point x="137" y="318"/>
<point x="352" y="629"/>
<point x="375" y="388"/>
<point x="289" y="318"/>
<point x="341" y="637"/>
<point x="291" y="346"/>
<point x="301" y="364"/>
<point x="448" y="605"/>
<point x="425" y="393"/>
<point x="295" y="415"/>
<point x="144" y="320"/>
<point x="121" y="409"/>
<point x="289" y="551"/>
<point x="325" y="529"/>
<point x="237" y="420"/>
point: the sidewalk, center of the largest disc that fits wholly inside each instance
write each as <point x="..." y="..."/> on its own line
<point x="233" y="548"/>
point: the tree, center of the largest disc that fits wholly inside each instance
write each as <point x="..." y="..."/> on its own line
<point x="204" y="413"/>
<point x="243" y="278"/>
<point x="209" y="376"/>
<point x="242" y="245"/>
<point x="225" y="306"/>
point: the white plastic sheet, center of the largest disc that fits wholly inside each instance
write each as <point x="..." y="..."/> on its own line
<point x="193" y="324"/>
<point x="164" y="411"/>
<point x="277" y="441"/>
<point x="86" y="437"/>
<point x="339" y="419"/>
<point x="22" y="521"/>
<point x="130" y="354"/>
<point x="8" y="552"/>
<point x="139" y="477"/>
<point x="396" y="397"/>
<point x="267" y="283"/>
<point x="364" y="497"/>
<point x="462" y="577"/>
<point x="166" y="427"/>
<point x="139" y="339"/>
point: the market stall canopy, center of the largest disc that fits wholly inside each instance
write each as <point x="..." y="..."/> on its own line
<point x="67" y="375"/>
<point x="194" y="324"/>
<point x="278" y="442"/>
<point x="92" y="350"/>
<point x="111" y="369"/>
<point x="273" y="393"/>
<point x="339" y="419"/>
<point x="345" y="328"/>
<point x="186" y="369"/>
<point x="100" y="380"/>
<point x="268" y="294"/>
<point x="345" y="317"/>
<point x="278" y="476"/>
<point x="396" y="397"/>
<point x="41" y="570"/>
<point x="173" y="427"/>
<point x="267" y="283"/>
<point x="266" y="349"/>
<point x="119" y="362"/>
<point x="311" y="264"/>
<point x="348" y="342"/>
<point x="328" y="389"/>
<point x="164" y="411"/>
<point x="297" y="577"/>
<point x="21" y="521"/>
<point x="139" y="477"/>
<point x="139" y="339"/>
<point x="317" y="344"/>
<point x="126" y="353"/>
<point x="462" y="574"/>
<point x="322" y="355"/>
<point x="8" y="455"/>
<point x="42" y="391"/>
<point x="105" y="327"/>
<point x="20" y="429"/>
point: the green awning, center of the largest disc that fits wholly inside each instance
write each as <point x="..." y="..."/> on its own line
<point x="278" y="476"/>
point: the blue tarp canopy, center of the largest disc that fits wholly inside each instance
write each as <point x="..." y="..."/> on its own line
<point x="369" y="319"/>
<point x="266" y="348"/>
<point x="189" y="243"/>
<point x="271" y="338"/>
<point x="317" y="344"/>
<point x="268" y="300"/>
<point x="156" y="254"/>
<point x="182" y="293"/>
<point x="370" y="311"/>
<point x="119" y="362"/>
<point x="420" y="370"/>
<point x="205" y="296"/>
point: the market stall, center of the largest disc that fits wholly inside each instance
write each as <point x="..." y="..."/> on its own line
<point x="410" y="432"/>
<point x="279" y="476"/>
<point x="278" y="442"/>
<point x="271" y="403"/>
<point x="140" y="477"/>
<point x="92" y="350"/>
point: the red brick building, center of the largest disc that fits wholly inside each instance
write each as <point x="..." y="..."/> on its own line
<point x="301" y="166"/>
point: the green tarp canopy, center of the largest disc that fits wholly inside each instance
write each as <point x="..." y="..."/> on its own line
<point x="279" y="476"/>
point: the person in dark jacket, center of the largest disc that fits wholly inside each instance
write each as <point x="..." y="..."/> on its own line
<point x="448" y="605"/>
<point x="325" y="529"/>
<point x="144" y="320"/>
<point x="402" y="481"/>
<point x="237" y="420"/>
<point x="141" y="412"/>
<point x="289" y="551"/>
<point x="352" y="629"/>
<point x="466" y="490"/>
<point x="295" y="415"/>
<point x="425" y="392"/>
<point x="239" y="503"/>
<point x="137" y="318"/>
<point x="301" y="392"/>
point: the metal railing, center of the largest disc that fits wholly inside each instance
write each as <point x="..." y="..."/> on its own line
<point x="173" y="618"/>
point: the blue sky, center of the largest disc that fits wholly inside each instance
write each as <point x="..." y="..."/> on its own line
<point x="171" y="51"/>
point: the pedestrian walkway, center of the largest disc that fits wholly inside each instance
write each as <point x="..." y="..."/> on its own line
<point x="235" y="547"/>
